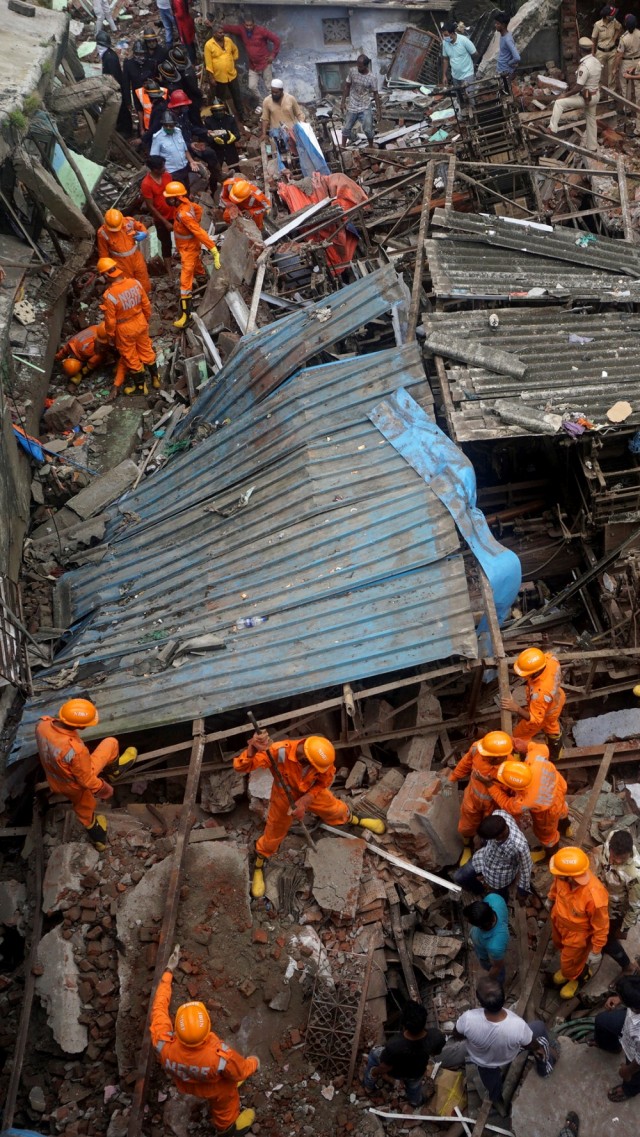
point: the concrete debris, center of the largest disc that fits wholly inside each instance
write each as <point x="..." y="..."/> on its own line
<point x="57" y="988"/>
<point x="337" y="869"/>
<point x="423" y="817"/>
<point x="13" y="896"/>
<point x="37" y="1099"/>
<point x="66" y="867"/>
<point x="220" y="791"/>
<point x="63" y="414"/>
<point x="259" y="789"/>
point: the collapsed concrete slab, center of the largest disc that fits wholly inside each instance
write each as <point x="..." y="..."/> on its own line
<point x="580" y="1082"/>
<point x="337" y="869"/>
<point x="65" y="868"/>
<point x="13" y="895"/>
<point x="57" y="989"/>
<point x="423" y="818"/>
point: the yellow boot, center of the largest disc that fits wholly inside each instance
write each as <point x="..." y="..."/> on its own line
<point x="185" y="312"/>
<point x="124" y="762"/>
<point x="371" y="823"/>
<point x="537" y="856"/>
<point x="559" y="979"/>
<point x="136" y="383"/>
<point x="569" y="989"/>
<point x="97" y="832"/>
<point x="466" y="854"/>
<point x="244" y="1121"/>
<point x="257" y="881"/>
<point x="155" y="378"/>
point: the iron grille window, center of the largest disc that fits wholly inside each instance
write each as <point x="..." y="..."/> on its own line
<point x="13" y="651"/>
<point x="387" y="42"/>
<point x="336" y="30"/>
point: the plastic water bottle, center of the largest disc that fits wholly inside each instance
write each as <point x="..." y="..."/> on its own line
<point x="251" y="621"/>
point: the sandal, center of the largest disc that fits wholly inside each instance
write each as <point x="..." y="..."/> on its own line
<point x="572" y="1121"/>
<point x="617" y="1093"/>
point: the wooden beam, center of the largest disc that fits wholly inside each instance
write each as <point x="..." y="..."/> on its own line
<point x="624" y="200"/>
<point x="167" y="931"/>
<point x="416" y="289"/>
<point x="401" y="944"/>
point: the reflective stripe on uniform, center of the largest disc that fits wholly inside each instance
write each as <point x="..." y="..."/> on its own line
<point x="126" y="253"/>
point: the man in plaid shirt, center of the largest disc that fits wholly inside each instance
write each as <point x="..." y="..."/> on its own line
<point x="504" y="858"/>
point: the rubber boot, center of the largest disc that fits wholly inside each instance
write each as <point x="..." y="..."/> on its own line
<point x="559" y="979"/>
<point x="466" y="854"/>
<point x="155" y="378"/>
<point x="564" y="825"/>
<point x="257" y="881"/>
<point x="97" y="832"/>
<point x="185" y="312"/>
<point x="244" y="1121"/>
<point x="554" y="742"/>
<point x="371" y="823"/>
<point x="572" y="986"/>
<point x="538" y="855"/>
<point x="136" y="383"/>
<point x="124" y="762"/>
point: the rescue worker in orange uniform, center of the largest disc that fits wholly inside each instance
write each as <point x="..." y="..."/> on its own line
<point x="240" y="196"/>
<point x="119" y="238"/>
<point x="306" y="766"/>
<point x="579" y="918"/>
<point x="127" y="310"/>
<point x="197" y="1060"/>
<point x="479" y="765"/>
<point x="535" y="785"/>
<point x="189" y="236"/>
<point x="83" y="352"/>
<point x="71" y="770"/>
<point x="545" y="699"/>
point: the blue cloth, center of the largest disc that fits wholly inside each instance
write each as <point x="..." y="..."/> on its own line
<point x="459" y="56"/>
<point x="492" y="945"/>
<point x="310" y="157"/>
<point x="171" y="147"/>
<point x="508" y="55"/>
<point x="449" y="473"/>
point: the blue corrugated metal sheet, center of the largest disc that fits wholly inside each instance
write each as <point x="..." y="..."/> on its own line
<point x="341" y="545"/>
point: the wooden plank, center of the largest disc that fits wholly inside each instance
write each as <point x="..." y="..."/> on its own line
<point x="583" y="828"/>
<point x="359" y="1017"/>
<point x="15" y="831"/>
<point x="30" y="979"/>
<point x="624" y="200"/>
<point x="416" y="289"/>
<point x="482" y="1118"/>
<point x="401" y="944"/>
<point x="167" y="931"/>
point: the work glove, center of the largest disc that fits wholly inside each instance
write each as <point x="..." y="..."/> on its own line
<point x="216" y="258"/>
<point x="140" y="236"/>
<point x="300" y="808"/>
<point x="594" y="960"/>
<point x="105" y="791"/>
<point x="173" y="959"/>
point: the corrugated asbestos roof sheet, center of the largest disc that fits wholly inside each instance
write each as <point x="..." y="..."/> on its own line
<point x="493" y="259"/>
<point x="341" y="545"/>
<point x="562" y="375"/>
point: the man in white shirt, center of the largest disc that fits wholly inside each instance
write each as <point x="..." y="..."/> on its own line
<point x="618" y="1028"/>
<point x="582" y="95"/>
<point x="494" y="1036"/>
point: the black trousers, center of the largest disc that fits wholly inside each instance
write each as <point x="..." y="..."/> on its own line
<point x="608" y="1028"/>
<point x="613" y="946"/>
<point x="164" y="237"/>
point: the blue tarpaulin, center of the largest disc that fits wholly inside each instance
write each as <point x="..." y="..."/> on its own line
<point x="449" y="473"/>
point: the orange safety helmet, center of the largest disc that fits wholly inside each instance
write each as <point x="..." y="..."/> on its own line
<point x="569" y="862"/>
<point x="71" y="367"/>
<point x="79" y="712"/>
<point x="101" y="332"/>
<point x="192" y="1023"/>
<point x="515" y="775"/>
<point x="114" y="220"/>
<point x="529" y="661"/>
<point x="174" y="189"/>
<point x="240" y="191"/>
<point x="319" y="752"/>
<point x="495" y="744"/>
<point x="108" y="267"/>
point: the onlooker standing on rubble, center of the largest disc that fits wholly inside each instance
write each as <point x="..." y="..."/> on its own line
<point x="579" y="919"/>
<point x="508" y="54"/>
<point x="360" y="87"/>
<point x="618" y="867"/>
<point x="165" y="12"/>
<point x="458" y="52"/>
<point x="504" y="858"/>
<point x="618" y="1028"/>
<point x="280" y="109"/>
<point x="489" y="920"/>
<point x="541" y="670"/>
<point x="406" y="1057"/>
<point x="479" y="765"/>
<point x="220" y="55"/>
<point x="102" y="9"/>
<point x="152" y="189"/>
<point x="262" y="47"/>
<point x="604" y="38"/>
<point x="629" y="52"/>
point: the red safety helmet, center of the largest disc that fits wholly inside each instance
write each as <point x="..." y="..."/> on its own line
<point x="178" y="99"/>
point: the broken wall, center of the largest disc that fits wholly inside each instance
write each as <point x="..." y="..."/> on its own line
<point x="31" y="48"/>
<point x="15" y="479"/>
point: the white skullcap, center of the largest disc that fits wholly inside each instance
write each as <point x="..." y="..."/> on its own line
<point x="278" y="84"/>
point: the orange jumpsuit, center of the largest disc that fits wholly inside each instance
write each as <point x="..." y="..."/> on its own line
<point x="210" y="1070"/>
<point x="69" y="767"/>
<point x="256" y="205"/>
<point x="308" y="783"/>
<point x="477" y="802"/>
<point x="124" y="250"/>
<point x="545" y="700"/>
<point x="127" y="310"/>
<point x="86" y="347"/>
<point x="189" y="236"/>
<point x="579" y="922"/>
<point x="544" y="797"/>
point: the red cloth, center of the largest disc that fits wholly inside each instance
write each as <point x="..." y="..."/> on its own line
<point x="257" y="45"/>
<point x="341" y="251"/>
<point x="184" y="20"/>
<point x="153" y="192"/>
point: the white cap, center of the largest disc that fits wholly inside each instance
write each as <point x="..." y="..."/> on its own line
<point x="278" y="84"/>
